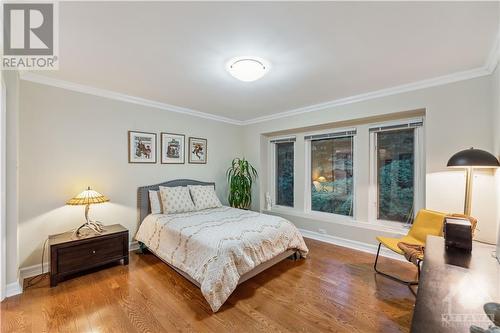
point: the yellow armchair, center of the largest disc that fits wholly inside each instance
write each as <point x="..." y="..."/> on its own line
<point x="427" y="222"/>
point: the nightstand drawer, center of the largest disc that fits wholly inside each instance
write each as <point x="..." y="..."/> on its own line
<point x="71" y="256"/>
<point x="89" y="254"/>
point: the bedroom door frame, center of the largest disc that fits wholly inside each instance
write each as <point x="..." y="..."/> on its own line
<point x="3" y="179"/>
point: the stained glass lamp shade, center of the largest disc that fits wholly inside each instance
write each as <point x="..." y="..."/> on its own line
<point x="87" y="198"/>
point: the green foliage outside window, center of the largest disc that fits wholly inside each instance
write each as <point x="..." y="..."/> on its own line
<point x="284" y="173"/>
<point x="332" y="176"/>
<point x="396" y="190"/>
<point x="338" y="201"/>
<point x="395" y="154"/>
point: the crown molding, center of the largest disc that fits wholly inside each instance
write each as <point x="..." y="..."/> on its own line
<point x="434" y="82"/>
<point x="41" y="79"/>
<point x="485" y="70"/>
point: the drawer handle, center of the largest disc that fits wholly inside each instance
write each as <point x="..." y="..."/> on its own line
<point x="93" y="251"/>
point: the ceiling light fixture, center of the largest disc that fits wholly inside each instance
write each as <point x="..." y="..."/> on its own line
<point x="247" y="69"/>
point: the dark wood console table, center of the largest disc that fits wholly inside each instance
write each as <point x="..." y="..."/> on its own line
<point x="453" y="288"/>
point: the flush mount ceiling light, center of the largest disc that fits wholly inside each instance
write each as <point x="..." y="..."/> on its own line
<point x="247" y="69"/>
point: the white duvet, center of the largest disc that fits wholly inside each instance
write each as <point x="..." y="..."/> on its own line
<point x="217" y="246"/>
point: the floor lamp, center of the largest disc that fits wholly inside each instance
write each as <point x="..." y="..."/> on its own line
<point x="471" y="159"/>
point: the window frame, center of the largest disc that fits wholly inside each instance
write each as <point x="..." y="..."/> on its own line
<point x="419" y="170"/>
<point x="308" y="169"/>
<point x="272" y="171"/>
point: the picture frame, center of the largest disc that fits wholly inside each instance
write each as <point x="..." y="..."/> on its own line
<point x="172" y="148"/>
<point x="198" y="151"/>
<point x="141" y="147"/>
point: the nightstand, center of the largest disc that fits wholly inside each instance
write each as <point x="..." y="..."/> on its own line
<point x="70" y="254"/>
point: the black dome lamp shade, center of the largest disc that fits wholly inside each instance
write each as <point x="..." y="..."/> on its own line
<point x="472" y="158"/>
<point x="475" y="158"/>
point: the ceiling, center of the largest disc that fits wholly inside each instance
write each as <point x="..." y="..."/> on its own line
<point x="175" y="52"/>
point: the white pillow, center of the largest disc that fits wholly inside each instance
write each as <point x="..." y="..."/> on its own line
<point x="176" y="200"/>
<point x="154" y="202"/>
<point x="204" y="197"/>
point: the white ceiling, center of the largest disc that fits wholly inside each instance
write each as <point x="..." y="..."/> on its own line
<point x="175" y="53"/>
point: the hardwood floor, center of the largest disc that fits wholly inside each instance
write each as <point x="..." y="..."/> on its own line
<point x="335" y="289"/>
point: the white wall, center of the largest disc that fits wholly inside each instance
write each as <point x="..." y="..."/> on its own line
<point x="496" y="139"/>
<point x="457" y="116"/>
<point x="12" y="84"/>
<point x="70" y="140"/>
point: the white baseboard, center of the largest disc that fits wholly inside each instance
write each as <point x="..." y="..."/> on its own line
<point x="30" y="271"/>
<point x="13" y="289"/>
<point x="133" y="246"/>
<point x="352" y="244"/>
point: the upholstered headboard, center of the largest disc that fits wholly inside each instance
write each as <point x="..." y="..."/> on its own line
<point x="143" y="194"/>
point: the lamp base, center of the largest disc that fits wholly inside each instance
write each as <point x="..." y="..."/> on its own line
<point x="94" y="226"/>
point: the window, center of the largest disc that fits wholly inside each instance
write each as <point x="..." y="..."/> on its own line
<point x="396" y="176"/>
<point x="332" y="175"/>
<point x="284" y="159"/>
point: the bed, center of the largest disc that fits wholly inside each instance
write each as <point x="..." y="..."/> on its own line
<point x="216" y="248"/>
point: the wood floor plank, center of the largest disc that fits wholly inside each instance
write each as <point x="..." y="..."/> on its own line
<point x="333" y="290"/>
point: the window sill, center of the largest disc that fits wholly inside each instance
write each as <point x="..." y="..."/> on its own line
<point x="339" y="219"/>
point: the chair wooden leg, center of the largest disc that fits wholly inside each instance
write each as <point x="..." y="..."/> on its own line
<point x="395" y="278"/>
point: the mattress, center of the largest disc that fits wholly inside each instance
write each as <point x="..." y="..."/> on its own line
<point x="215" y="247"/>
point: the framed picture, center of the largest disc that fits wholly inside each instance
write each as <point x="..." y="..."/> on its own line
<point x="197" y="151"/>
<point x="141" y="147"/>
<point x="172" y="148"/>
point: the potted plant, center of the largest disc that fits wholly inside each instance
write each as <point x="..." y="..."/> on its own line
<point x="240" y="177"/>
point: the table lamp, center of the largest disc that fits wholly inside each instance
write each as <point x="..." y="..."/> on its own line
<point x="319" y="184"/>
<point x="321" y="179"/>
<point x="470" y="159"/>
<point x="88" y="198"/>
